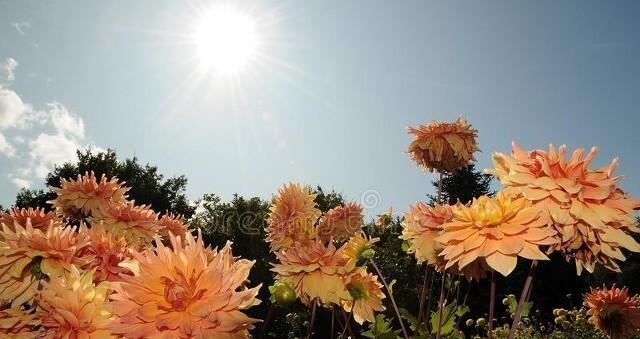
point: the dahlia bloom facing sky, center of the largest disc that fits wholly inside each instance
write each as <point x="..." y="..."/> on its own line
<point x="292" y="216"/>
<point x="85" y="196"/>
<point x="613" y="311"/>
<point x="106" y="251"/>
<point x="38" y="217"/>
<point x="421" y="225"/>
<point x="137" y="224"/>
<point x="495" y="231"/>
<point x="184" y="291"/>
<point x="339" y="223"/>
<point x="443" y="146"/>
<point x="591" y="214"/>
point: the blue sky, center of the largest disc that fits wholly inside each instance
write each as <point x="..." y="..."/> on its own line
<point x="327" y="102"/>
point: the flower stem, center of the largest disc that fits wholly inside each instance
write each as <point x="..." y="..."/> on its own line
<point x="441" y="305"/>
<point x="333" y="321"/>
<point x="267" y="320"/>
<point x="423" y="295"/>
<point x="347" y="319"/>
<point x="492" y="303"/>
<point x="523" y="296"/>
<point x="313" y="317"/>
<point x="393" y="301"/>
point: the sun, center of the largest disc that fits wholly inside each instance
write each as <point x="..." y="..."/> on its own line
<point x="226" y="40"/>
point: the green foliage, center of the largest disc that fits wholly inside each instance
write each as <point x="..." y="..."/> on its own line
<point x="450" y="314"/>
<point x="464" y="185"/>
<point x="512" y="305"/>
<point x="148" y="186"/>
<point x="381" y="329"/>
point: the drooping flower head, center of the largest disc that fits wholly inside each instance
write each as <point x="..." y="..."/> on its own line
<point x="28" y="255"/>
<point x="39" y="218"/>
<point x="137" y="224"/>
<point x="183" y="292"/>
<point x="613" y="311"/>
<point x="421" y="225"/>
<point x="315" y="271"/>
<point x="86" y="196"/>
<point x="359" y="246"/>
<point x="586" y="207"/>
<point x="443" y="146"/>
<point x="366" y="296"/>
<point x="292" y="216"/>
<point x="174" y="224"/>
<point x="72" y="306"/>
<point x="17" y="323"/>
<point x="106" y="251"/>
<point x="341" y="222"/>
<point x="497" y="230"/>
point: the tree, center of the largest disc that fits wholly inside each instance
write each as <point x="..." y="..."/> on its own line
<point x="463" y="185"/>
<point x="148" y="186"/>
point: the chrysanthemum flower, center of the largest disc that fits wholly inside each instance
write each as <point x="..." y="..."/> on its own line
<point x="341" y="222"/>
<point x="72" y="306"/>
<point x="366" y="296"/>
<point x="292" y="216"/>
<point x="179" y="292"/>
<point x="106" y="252"/>
<point x="614" y="312"/>
<point x="16" y="323"/>
<point x="137" y="224"/>
<point x="421" y="225"/>
<point x="174" y="224"/>
<point x="316" y="272"/>
<point x="496" y="230"/>
<point x="29" y="255"/>
<point x="359" y="246"/>
<point x="86" y="196"/>
<point x="586" y="207"/>
<point x="39" y="218"/>
<point x="443" y="146"/>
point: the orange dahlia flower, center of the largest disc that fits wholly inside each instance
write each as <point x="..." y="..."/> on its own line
<point x="16" y="323"/>
<point x="39" y="218"/>
<point x="366" y="296"/>
<point x="586" y="207"/>
<point x="180" y="292"/>
<point x="421" y="225"/>
<point x="106" y="252"/>
<point x="292" y="216"/>
<point x="443" y="146"/>
<point x="174" y="224"/>
<point x="137" y="224"/>
<point x="496" y="230"/>
<point x="29" y="255"/>
<point x="614" y="312"/>
<point x="359" y="246"/>
<point x="86" y="196"/>
<point x="316" y="272"/>
<point x="385" y="219"/>
<point x="339" y="223"/>
<point x="72" y="306"/>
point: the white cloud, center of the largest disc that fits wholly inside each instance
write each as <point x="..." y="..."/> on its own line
<point x="9" y="68"/>
<point x="48" y="150"/>
<point x="12" y="109"/>
<point x="21" y="26"/>
<point x="64" y="122"/>
<point x="6" y="148"/>
<point x="21" y="183"/>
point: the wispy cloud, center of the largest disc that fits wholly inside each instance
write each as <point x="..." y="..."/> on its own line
<point x="21" y="27"/>
<point x="42" y="138"/>
<point x="9" y="68"/>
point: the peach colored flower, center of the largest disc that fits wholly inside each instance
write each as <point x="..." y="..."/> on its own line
<point x="137" y="224"/>
<point x="366" y="296"/>
<point x="72" y="306"/>
<point x="385" y="219"/>
<point x="421" y="225"/>
<point x="28" y="255"/>
<point x="39" y="218"/>
<point x="181" y="292"/>
<point x="106" y="252"/>
<point x="339" y="223"/>
<point x="315" y="271"/>
<point x="358" y="247"/>
<point x="174" y="224"/>
<point x="497" y="230"/>
<point x="16" y="323"/>
<point x="613" y="312"/>
<point x="590" y="212"/>
<point x="443" y="146"/>
<point x="86" y="196"/>
<point x="292" y="216"/>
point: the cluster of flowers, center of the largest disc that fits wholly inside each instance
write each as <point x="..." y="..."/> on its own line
<point x="547" y="200"/>
<point x="318" y="255"/>
<point x="100" y="266"/>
